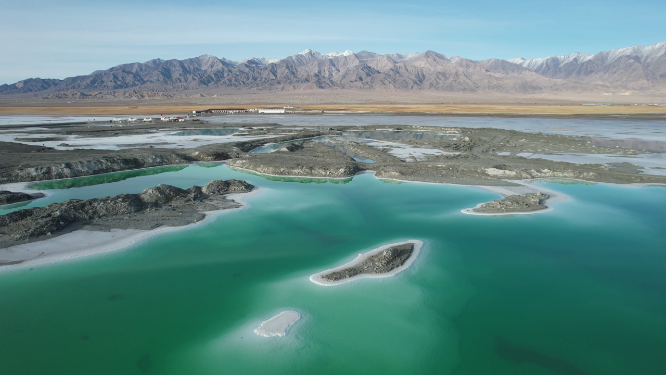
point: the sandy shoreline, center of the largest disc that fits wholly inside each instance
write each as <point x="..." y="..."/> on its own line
<point x="316" y="278"/>
<point x="83" y="243"/>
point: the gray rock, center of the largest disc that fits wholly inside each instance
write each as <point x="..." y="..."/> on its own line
<point x="383" y="262"/>
<point x="226" y="187"/>
<point x="159" y="205"/>
<point x="7" y="197"/>
<point x="515" y="203"/>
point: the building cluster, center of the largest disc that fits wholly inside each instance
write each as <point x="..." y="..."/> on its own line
<point x="174" y="118"/>
<point x="231" y="111"/>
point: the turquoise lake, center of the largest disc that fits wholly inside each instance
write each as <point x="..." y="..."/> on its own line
<point x="578" y="290"/>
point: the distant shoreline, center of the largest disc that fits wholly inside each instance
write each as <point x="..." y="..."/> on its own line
<point x="508" y="110"/>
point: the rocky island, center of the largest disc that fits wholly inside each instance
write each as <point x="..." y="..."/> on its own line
<point x="484" y="157"/>
<point x="162" y="205"/>
<point x="9" y="197"/>
<point x="384" y="261"/>
<point x="514" y="203"/>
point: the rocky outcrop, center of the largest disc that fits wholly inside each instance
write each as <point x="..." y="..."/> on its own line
<point x="514" y="203"/>
<point x="159" y="205"/>
<point x="22" y="163"/>
<point x="91" y="167"/>
<point x="219" y="187"/>
<point x="7" y="197"/>
<point x="313" y="160"/>
<point x="249" y="145"/>
<point x="382" y="262"/>
<point x="291" y="147"/>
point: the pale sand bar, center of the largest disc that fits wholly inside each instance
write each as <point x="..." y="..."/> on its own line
<point x="278" y="325"/>
<point x="316" y="278"/>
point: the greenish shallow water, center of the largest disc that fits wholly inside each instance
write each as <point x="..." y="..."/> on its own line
<point x="578" y="290"/>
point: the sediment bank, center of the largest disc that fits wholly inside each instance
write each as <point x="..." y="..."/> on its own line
<point x="278" y="325"/>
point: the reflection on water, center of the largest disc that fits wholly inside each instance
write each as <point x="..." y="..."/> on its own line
<point x="103" y="179"/>
<point x="207" y="165"/>
<point x="214" y="132"/>
<point x="14" y="206"/>
<point x="393" y="182"/>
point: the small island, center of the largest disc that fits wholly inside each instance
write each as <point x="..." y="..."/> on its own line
<point x="278" y="325"/>
<point x="9" y="197"/>
<point x="529" y="202"/>
<point x="384" y="261"/>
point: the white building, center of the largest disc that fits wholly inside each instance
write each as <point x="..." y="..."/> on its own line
<point x="272" y="110"/>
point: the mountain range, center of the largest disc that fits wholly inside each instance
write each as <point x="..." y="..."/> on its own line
<point x="639" y="68"/>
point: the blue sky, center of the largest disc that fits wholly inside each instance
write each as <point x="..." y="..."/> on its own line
<point x="58" y="39"/>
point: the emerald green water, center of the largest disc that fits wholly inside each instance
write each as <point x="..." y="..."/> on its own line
<point x="103" y="178"/>
<point x="578" y="290"/>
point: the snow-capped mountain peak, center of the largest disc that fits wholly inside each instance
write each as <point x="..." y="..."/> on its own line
<point x="336" y="54"/>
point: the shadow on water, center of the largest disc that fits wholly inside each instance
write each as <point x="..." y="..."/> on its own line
<point x="207" y="165"/>
<point x="144" y="363"/>
<point x="103" y="179"/>
<point x="508" y="351"/>
<point x="15" y="205"/>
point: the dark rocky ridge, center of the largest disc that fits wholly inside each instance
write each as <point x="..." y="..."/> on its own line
<point x="160" y="205"/>
<point x="473" y="157"/>
<point x="515" y="203"/>
<point x="382" y="262"/>
<point x="476" y="161"/>
<point x="364" y="70"/>
<point x="312" y="160"/>
<point x="7" y="197"/>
